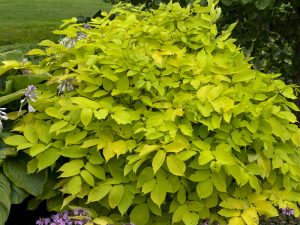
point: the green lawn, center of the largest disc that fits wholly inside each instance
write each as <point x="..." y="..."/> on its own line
<point x="23" y="23"/>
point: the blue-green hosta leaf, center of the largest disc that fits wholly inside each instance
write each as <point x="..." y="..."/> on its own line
<point x="262" y="4"/>
<point x="18" y="195"/>
<point x="5" y="198"/>
<point x="16" y="171"/>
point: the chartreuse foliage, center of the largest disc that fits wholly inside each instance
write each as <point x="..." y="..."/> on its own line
<point x="168" y="122"/>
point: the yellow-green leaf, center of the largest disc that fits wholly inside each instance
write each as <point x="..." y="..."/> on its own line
<point x="175" y="165"/>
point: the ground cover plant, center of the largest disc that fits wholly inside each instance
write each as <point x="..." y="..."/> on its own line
<point x="155" y="117"/>
<point x="25" y="23"/>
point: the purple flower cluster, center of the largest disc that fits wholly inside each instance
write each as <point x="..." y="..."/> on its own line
<point x="288" y="211"/>
<point x="65" y="218"/>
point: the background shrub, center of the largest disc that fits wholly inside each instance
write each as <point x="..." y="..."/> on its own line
<point x="158" y="117"/>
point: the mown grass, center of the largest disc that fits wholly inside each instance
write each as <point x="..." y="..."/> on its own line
<point x="25" y="23"/>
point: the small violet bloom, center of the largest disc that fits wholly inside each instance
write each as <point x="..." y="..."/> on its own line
<point x="87" y="26"/>
<point x="3" y="116"/>
<point x="64" y="218"/>
<point x="288" y="211"/>
<point x="30" y="96"/>
<point x="65" y="85"/>
<point x="43" y="221"/>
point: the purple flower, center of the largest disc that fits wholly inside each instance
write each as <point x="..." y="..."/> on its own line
<point x="30" y="96"/>
<point x="87" y="26"/>
<point x="78" y="222"/>
<point x="288" y="211"/>
<point x="65" y="85"/>
<point x="79" y="212"/>
<point x="3" y="116"/>
<point x="43" y="221"/>
<point x="63" y="218"/>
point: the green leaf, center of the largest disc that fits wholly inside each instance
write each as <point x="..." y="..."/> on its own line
<point x="158" y="195"/>
<point x="190" y="218"/>
<point x="47" y="158"/>
<point x="186" y="128"/>
<point x="115" y="196"/>
<point x="16" y="171"/>
<point x="262" y="4"/>
<point x="74" y="185"/>
<point x="86" y="116"/>
<point x="250" y="216"/>
<point x="158" y="160"/>
<point x="181" y="195"/>
<point x="37" y="149"/>
<point x="175" y="165"/>
<point x="90" y="143"/>
<point x="85" y="102"/>
<point x="36" y="51"/>
<point x="57" y="126"/>
<point x="73" y="138"/>
<point x="232" y="203"/>
<point x="11" y="97"/>
<point x="244" y="76"/>
<point x="71" y="168"/>
<point x="149" y="186"/>
<point x="200" y="175"/>
<point x="15" y="140"/>
<point x="42" y="130"/>
<point x="5" y="198"/>
<point x="175" y="147"/>
<point x="125" y="117"/>
<point x="229" y="212"/>
<point x="179" y="212"/>
<point x="205" y="188"/>
<point x="54" y="112"/>
<point x="87" y="177"/>
<point x="223" y="154"/>
<point x="73" y="151"/>
<point x="219" y="181"/>
<point x="18" y="195"/>
<point x="289" y="116"/>
<point x="126" y="201"/>
<point x="96" y="170"/>
<point x="236" y="221"/>
<point x="99" y="192"/>
<point x="205" y="157"/>
<point x="101" y="114"/>
<point x="120" y="147"/>
<point x="140" y="214"/>
<point x="266" y="208"/>
<point x="30" y="134"/>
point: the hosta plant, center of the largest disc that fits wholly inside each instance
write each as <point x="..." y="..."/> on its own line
<point x="156" y="117"/>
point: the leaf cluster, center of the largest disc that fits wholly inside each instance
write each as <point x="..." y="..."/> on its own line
<point x="167" y="122"/>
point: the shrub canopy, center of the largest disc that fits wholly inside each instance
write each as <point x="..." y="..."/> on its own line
<point x="160" y="118"/>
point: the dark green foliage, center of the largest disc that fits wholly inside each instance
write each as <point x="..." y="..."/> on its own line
<point x="269" y="35"/>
